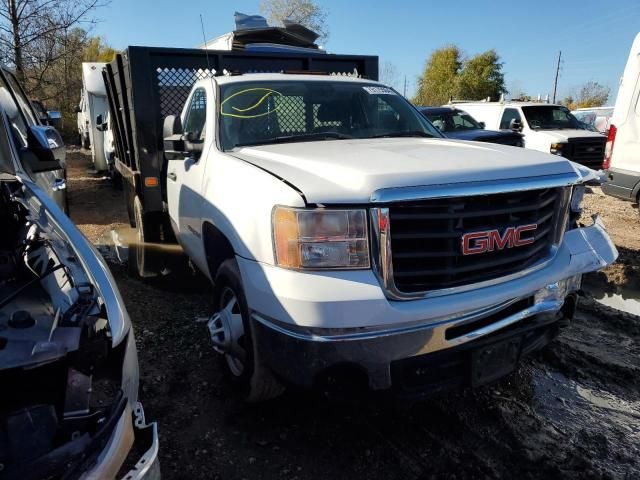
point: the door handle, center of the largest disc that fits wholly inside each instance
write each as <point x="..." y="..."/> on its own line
<point x="172" y="176"/>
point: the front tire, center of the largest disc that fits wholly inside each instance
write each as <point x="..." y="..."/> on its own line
<point x="254" y="380"/>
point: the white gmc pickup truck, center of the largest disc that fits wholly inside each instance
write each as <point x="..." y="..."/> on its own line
<point x="350" y="245"/>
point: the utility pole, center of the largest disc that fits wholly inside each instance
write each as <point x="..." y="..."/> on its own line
<point x="555" y="83"/>
<point x="405" y="87"/>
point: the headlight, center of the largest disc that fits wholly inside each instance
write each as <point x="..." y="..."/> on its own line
<point x="317" y="239"/>
<point x="557" y="148"/>
<point x="576" y="198"/>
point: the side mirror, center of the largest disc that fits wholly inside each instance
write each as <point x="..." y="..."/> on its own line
<point x="482" y="125"/>
<point x="78" y="109"/>
<point x="515" y="125"/>
<point x="174" y="145"/>
<point x="101" y="124"/>
<point x="43" y="150"/>
<point x="193" y="145"/>
<point x="55" y="119"/>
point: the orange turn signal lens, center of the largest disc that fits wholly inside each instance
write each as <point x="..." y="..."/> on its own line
<point x="151" y="182"/>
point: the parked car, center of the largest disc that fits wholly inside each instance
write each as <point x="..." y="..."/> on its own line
<point x="93" y="104"/>
<point x="22" y="117"/>
<point x="348" y="243"/>
<point x="596" y="119"/>
<point x="458" y="124"/>
<point x="545" y="127"/>
<point x="68" y="363"/>
<point x="622" y="161"/>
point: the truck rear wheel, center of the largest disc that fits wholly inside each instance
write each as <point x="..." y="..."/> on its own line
<point x="144" y="257"/>
<point x="230" y="331"/>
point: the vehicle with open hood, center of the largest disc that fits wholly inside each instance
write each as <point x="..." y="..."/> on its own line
<point x="68" y="362"/>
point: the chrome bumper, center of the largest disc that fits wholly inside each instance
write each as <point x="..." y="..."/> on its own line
<point x="300" y="356"/>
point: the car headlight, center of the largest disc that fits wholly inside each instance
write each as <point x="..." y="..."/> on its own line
<point x="577" y="195"/>
<point x="557" y="148"/>
<point x="319" y="239"/>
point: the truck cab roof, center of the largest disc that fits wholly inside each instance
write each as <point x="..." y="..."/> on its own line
<point x="290" y="77"/>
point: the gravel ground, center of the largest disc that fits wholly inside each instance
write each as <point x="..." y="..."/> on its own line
<point x="571" y="411"/>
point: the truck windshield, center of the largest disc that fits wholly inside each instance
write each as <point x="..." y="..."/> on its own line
<point x="550" y="117"/>
<point x="261" y="112"/>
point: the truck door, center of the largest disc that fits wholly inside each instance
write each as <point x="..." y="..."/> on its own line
<point x="185" y="176"/>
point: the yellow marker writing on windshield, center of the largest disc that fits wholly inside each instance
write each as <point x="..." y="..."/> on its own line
<point x="268" y="93"/>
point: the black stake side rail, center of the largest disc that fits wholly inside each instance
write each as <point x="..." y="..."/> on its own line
<point x="145" y="84"/>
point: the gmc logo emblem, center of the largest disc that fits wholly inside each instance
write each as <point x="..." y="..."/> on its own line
<point x="491" y="240"/>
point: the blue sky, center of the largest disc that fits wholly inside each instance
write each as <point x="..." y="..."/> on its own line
<point x="594" y="35"/>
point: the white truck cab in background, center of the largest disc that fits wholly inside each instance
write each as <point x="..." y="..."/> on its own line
<point x="93" y="103"/>
<point x="622" y="160"/>
<point x="546" y="128"/>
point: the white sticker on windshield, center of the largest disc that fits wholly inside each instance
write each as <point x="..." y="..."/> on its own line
<point x="379" y="91"/>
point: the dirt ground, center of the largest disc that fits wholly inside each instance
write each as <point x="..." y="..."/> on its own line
<point x="570" y="411"/>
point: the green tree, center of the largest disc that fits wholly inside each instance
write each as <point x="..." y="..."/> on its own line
<point x="97" y="50"/>
<point x="439" y="80"/>
<point x="481" y="77"/>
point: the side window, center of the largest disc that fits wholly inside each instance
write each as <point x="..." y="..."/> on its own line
<point x="23" y="101"/>
<point x="197" y="114"/>
<point x="16" y="120"/>
<point x="508" y="115"/>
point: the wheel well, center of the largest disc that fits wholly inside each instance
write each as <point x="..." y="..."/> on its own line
<point x="217" y="248"/>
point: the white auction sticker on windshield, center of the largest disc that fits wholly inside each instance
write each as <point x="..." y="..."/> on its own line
<point x="379" y="91"/>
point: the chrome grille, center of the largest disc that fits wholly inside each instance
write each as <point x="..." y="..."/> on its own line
<point x="423" y="246"/>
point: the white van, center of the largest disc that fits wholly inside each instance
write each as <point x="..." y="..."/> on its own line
<point x="622" y="160"/>
<point x="93" y="102"/>
<point x="546" y="127"/>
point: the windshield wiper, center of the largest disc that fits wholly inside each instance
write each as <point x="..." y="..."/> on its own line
<point x="409" y="133"/>
<point x="298" y="138"/>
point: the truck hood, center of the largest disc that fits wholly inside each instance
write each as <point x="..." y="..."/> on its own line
<point x="557" y="136"/>
<point x="349" y="171"/>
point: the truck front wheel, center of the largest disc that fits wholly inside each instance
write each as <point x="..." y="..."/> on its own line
<point x="230" y="331"/>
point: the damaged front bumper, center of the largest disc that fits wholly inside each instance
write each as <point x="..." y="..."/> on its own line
<point x="132" y="434"/>
<point x="301" y="345"/>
